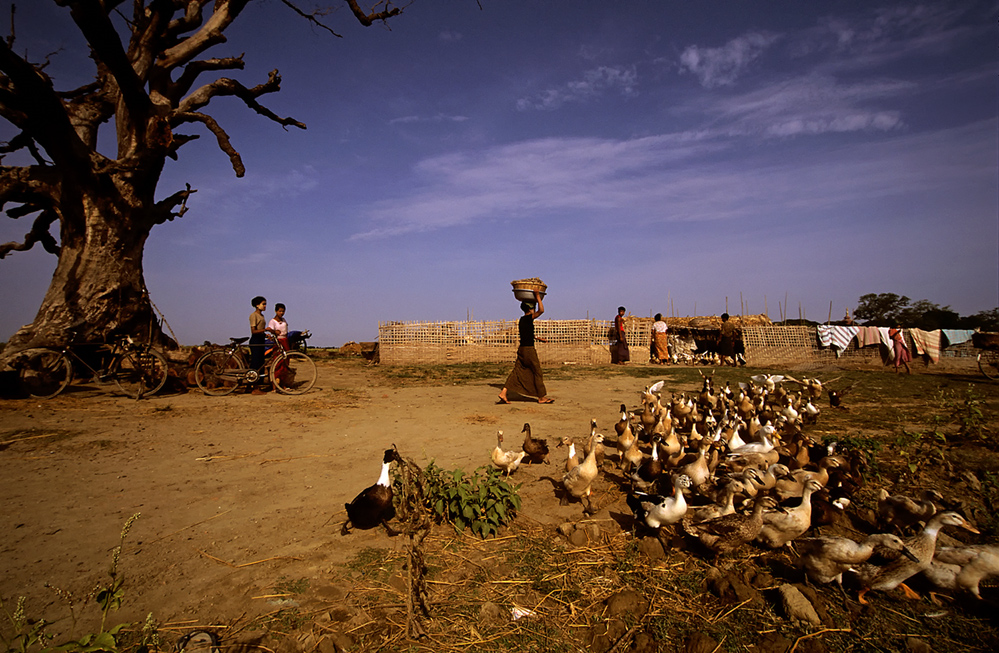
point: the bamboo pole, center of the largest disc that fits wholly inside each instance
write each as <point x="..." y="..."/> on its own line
<point x="830" y="312"/>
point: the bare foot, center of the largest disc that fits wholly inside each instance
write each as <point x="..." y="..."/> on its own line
<point x="546" y="400"/>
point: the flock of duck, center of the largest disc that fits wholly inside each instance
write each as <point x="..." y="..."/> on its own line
<point x="733" y="466"/>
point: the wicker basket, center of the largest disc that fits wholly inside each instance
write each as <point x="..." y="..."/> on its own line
<point x="524" y="289"/>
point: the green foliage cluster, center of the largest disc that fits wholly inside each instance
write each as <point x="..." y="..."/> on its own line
<point x="968" y="412"/>
<point x="482" y="502"/>
<point x="889" y="309"/>
<point x="22" y="634"/>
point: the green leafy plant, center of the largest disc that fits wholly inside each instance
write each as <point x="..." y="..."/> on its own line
<point x="969" y="414"/>
<point x="482" y="502"/>
<point x="26" y="634"/>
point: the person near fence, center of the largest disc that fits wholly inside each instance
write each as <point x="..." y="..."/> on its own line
<point x="900" y="350"/>
<point x="620" y="354"/>
<point x="726" y="340"/>
<point x="660" y="341"/>
<point x="527" y="379"/>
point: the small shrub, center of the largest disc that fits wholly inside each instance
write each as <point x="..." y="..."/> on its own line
<point x="482" y="502"/>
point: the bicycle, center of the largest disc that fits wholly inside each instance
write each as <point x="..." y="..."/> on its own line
<point x="220" y="371"/>
<point x="988" y="357"/>
<point x="137" y="369"/>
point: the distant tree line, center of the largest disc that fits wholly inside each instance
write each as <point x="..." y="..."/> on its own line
<point x="889" y="309"/>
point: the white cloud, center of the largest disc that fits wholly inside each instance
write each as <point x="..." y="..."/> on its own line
<point x="449" y="36"/>
<point x="810" y="104"/>
<point x="674" y="177"/>
<point x="440" y="117"/>
<point x="595" y="82"/>
<point x="721" y="66"/>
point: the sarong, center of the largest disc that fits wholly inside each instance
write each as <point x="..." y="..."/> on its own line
<point x="619" y="351"/>
<point x="661" y="343"/>
<point x="526" y="377"/>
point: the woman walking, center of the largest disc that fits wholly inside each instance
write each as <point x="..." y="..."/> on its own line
<point x="526" y="378"/>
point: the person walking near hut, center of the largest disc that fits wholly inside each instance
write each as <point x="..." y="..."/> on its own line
<point x="726" y="340"/>
<point x="660" y="341"/>
<point x="527" y="378"/>
<point x="620" y="354"/>
<point x="901" y="352"/>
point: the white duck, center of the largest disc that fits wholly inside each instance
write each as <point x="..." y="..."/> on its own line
<point x="656" y="511"/>
<point x="508" y="461"/>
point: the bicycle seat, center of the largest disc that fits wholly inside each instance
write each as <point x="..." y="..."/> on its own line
<point x="239" y="341"/>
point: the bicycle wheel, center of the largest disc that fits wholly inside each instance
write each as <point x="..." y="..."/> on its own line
<point x="218" y="373"/>
<point x="44" y="373"/>
<point x="293" y="374"/>
<point x="988" y="363"/>
<point x="140" y="373"/>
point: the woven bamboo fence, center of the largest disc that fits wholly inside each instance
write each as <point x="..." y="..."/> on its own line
<point x="586" y="342"/>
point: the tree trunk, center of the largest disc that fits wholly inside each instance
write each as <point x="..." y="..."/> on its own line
<point x="97" y="290"/>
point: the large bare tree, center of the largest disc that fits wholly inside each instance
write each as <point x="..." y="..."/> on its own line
<point x="93" y="211"/>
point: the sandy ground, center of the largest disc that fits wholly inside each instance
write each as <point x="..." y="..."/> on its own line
<point x="238" y="494"/>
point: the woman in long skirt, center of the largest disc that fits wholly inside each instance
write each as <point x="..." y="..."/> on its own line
<point x="620" y="354"/>
<point x="902" y="355"/>
<point x="527" y="378"/>
<point x="660" y="341"/>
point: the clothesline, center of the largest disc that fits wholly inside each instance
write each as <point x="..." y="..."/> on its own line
<point x="927" y="343"/>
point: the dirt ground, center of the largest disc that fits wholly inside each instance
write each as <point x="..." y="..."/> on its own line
<point x="241" y="496"/>
<point x="227" y="481"/>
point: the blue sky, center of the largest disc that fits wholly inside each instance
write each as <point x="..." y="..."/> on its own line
<point x="645" y="154"/>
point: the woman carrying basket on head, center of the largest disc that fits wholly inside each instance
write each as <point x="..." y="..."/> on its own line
<point x="526" y="378"/>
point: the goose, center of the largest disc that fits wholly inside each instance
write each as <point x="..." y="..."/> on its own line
<point x="825" y="559"/>
<point x="633" y="456"/>
<point x="922" y="546"/>
<point x="779" y="528"/>
<point x="963" y="568"/>
<point x="577" y="481"/>
<point x="573" y="458"/>
<point x="768" y="381"/>
<point x="811" y="412"/>
<point x="719" y="509"/>
<point x="656" y="511"/>
<point x="650" y="469"/>
<point x="624" y="422"/>
<point x="536" y="448"/>
<point x="373" y="506"/>
<point x="793" y="486"/>
<point x="598" y="445"/>
<point x="729" y="532"/>
<point x="697" y="469"/>
<point x="625" y="436"/>
<point x="508" y="461"/>
<point x="900" y="511"/>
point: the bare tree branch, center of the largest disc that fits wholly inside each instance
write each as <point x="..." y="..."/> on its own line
<point x="92" y="19"/>
<point x="312" y="18"/>
<point x="230" y="87"/>
<point x="23" y="142"/>
<point x="39" y="234"/>
<point x="223" y="138"/>
<point x="163" y="210"/>
<point x="368" y="19"/>
<point x="195" y="68"/>
<point x="28" y="101"/>
<point x="209" y="34"/>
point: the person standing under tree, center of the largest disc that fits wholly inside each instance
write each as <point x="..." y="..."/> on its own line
<point x="526" y="378"/>
<point x="620" y="354"/>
